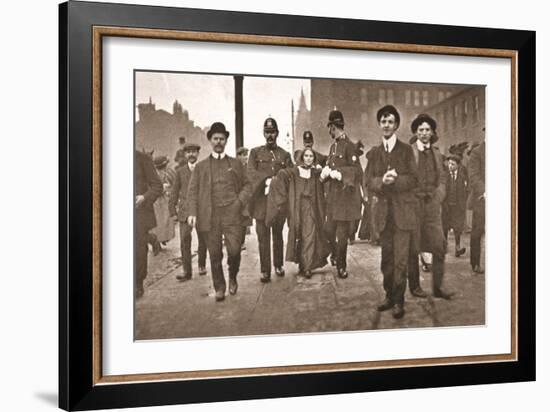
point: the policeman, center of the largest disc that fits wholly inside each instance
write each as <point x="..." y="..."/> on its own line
<point x="320" y="159"/>
<point x="343" y="176"/>
<point x="263" y="163"/>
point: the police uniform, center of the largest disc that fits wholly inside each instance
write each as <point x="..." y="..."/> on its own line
<point x="265" y="162"/>
<point x="343" y="193"/>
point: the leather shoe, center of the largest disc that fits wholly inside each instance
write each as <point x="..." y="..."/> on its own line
<point x="220" y="295"/>
<point x="398" y="311"/>
<point x="202" y="271"/>
<point x="280" y="272"/>
<point x="460" y="252"/>
<point x="183" y="278"/>
<point x="419" y="293"/>
<point x="342" y="274"/>
<point x="443" y="295"/>
<point x="266" y="277"/>
<point x="308" y="274"/>
<point x="233" y="286"/>
<point x="385" y="305"/>
<point x="477" y="269"/>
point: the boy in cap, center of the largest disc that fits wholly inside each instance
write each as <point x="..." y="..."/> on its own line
<point x="179" y="211"/>
<point x="264" y="163"/>
<point x="454" y="205"/>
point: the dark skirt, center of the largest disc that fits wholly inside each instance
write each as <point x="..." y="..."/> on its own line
<point x="310" y="257"/>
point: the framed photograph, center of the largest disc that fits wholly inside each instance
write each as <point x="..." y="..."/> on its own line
<point x="256" y="206"/>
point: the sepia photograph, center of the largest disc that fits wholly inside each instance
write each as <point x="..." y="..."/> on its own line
<point x="289" y="205"/>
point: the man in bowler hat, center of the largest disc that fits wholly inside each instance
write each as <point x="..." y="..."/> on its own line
<point x="264" y="163"/>
<point x="148" y="188"/>
<point x="392" y="178"/>
<point x="430" y="192"/>
<point x="343" y="176"/>
<point x="219" y="191"/>
<point x="179" y="211"/>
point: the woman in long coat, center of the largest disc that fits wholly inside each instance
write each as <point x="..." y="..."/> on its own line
<point x="301" y="191"/>
<point x="164" y="231"/>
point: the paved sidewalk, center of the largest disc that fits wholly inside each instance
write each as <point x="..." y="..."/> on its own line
<point x="171" y="309"/>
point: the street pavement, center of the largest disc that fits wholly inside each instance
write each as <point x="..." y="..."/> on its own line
<point x="294" y="304"/>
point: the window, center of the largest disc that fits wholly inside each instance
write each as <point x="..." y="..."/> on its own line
<point x="364" y="96"/>
<point x="381" y="96"/>
<point x="476" y="109"/>
<point x="425" y="98"/>
<point x="445" y="119"/>
<point x="440" y="96"/>
<point x="455" y="115"/>
<point x="364" y="118"/>
<point x="416" y="98"/>
<point x="389" y="96"/>
<point x="448" y="94"/>
<point x="408" y="97"/>
<point x="464" y="113"/>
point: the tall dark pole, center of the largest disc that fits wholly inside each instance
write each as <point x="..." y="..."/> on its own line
<point x="239" y="140"/>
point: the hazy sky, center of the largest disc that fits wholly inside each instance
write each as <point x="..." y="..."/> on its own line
<point x="210" y="98"/>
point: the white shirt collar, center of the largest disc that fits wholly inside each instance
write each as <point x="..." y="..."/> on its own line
<point x="390" y="143"/>
<point x="421" y="146"/>
<point x="218" y="155"/>
<point x="191" y="165"/>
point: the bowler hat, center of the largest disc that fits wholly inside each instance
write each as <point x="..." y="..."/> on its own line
<point x="191" y="146"/>
<point x="160" y="161"/>
<point x="308" y="136"/>
<point x="336" y="118"/>
<point x="217" y="127"/>
<point x="270" y="124"/>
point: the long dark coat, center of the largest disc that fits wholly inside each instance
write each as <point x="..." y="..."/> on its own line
<point x="199" y="195"/>
<point x="148" y="184"/>
<point x="401" y="192"/>
<point x="283" y="196"/>
<point x="455" y="214"/>
<point x="178" y="196"/>
<point x="476" y="172"/>
<point x="264" y="163"/>
<point x="344" y="197"/>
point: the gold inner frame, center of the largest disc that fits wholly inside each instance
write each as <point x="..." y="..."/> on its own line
<point x="101" y="31"/>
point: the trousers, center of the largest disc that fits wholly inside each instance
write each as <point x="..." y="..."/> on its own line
<point x="185" y="246"/>
<point x="265" y="234"/>
<point x="338" y="232"/>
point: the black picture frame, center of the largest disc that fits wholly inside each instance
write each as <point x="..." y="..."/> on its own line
<point x="77" y="388"/>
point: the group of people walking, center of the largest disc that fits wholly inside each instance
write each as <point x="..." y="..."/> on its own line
<point x="319" y="197"/>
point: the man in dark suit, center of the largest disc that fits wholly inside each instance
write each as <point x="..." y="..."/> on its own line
<point x="219" y="191"/>
<point x="454" y="206"/>
<point x="392" y="178"/>
<point x="265" y="162"/>
<point x="147" y="188"/>
<point x="343" y="176"/>
<point x="179" y="211"/>
<point x="476" y="171"/>
<point x="320" y="159"/>
<point x="430" y="193"/>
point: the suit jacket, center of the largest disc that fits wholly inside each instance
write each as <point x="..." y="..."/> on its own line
<point x="199" y="194"/>
<point x="344" y="197"/>
<point x="178" y="196"/>
<point x="264" y="163"/>
<point x="476" y="172"/>
<point x="147" y="183"/>
<point x="461" y="186"/>
<point x="401" y="192"/>
<point x="440" y="190"/>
